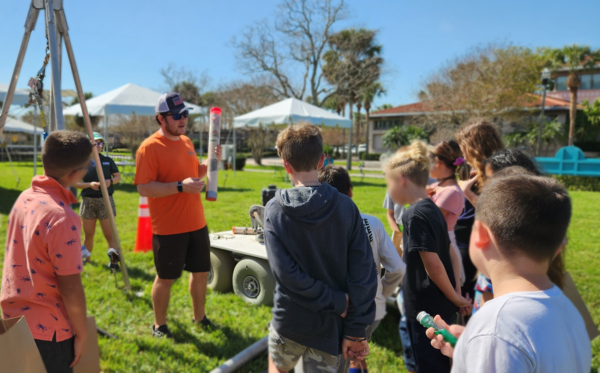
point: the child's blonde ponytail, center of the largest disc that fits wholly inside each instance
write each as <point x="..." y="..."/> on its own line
<point x="412" y="164"/>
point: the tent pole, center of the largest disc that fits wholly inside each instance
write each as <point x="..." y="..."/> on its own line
<point x="201" y="133"/>
<point x="96" y="153"/>
<point x="234" y="146"/>
<point x="34" y="140"/>
<point x="55" y="93"/>
<point x="349" y="160"/>
<point x="106" y="132"/>
<point x="30" y="22"/>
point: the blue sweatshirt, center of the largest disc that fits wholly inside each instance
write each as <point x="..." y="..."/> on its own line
<point x="319" y="252"/>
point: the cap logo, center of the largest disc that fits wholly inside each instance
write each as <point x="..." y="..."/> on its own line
<point x="177" y="100"/>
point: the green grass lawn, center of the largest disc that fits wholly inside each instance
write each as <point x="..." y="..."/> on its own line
<point x="279" y="169"/>
<point x="129" y="315"/>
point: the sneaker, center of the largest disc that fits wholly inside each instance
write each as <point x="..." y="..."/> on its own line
<point x="161" y="332"/>
<point x="113" y="256"/>
<point x="85" y="253"/>
<point x="205" y="323"/>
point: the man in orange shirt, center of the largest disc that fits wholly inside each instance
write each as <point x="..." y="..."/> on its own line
<point x="170" y="175"/>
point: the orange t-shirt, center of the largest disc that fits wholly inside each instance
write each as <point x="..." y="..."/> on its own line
<point x="43" y="241"/>
<point x="166" y="161"/>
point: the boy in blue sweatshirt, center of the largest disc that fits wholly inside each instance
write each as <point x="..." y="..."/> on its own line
<point x="322" y="262"/>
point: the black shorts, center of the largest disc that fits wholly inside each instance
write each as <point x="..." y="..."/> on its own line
<point x="57" y="356"/>
<point x="175" y="252"/>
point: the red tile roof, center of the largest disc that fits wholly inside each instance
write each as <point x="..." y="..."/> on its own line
<point x="551" y="103"/>
<point x="417" y="107"/>
<point x="421" y="107"/>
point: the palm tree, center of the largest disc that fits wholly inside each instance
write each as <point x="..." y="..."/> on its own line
<point x="353" y="61"/>
<point x="527" y="135"/>
<point x="576" y="59"/>
<point x="375" y="89"/>
<point x="397" y="137"/>
<point x="358" y="124"/>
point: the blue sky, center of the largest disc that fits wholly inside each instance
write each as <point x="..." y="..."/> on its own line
<point x="128" y="41"/>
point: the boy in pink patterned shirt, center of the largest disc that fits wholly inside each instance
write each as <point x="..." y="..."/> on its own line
<point x="42" y="263"/>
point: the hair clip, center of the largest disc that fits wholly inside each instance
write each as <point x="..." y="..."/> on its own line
<point x="459" y="161"/>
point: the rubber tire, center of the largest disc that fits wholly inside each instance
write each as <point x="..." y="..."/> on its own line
<point x="261" y="270"/>
<point x="222" y="264"/>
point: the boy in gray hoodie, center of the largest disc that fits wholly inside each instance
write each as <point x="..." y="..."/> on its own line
<point x="322" y="261"/>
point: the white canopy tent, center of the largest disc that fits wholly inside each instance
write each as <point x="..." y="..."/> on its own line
<point x="20" y="97"/>
<point x="289" y="111"/>
<point x="15" y="125"/>
<point x="127" y="99"/>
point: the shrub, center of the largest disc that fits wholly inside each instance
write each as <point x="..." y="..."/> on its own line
<point x="121" y="150"/>
<point x="370" y="157"/>
<point x="240" y="162"/>
<point x="588" y="146"/>
<point x="269" y="153"/>
<point x="579" y="183"/>
<point x="327" y="149"/>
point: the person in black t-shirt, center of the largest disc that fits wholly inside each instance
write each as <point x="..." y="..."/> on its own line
<point x="92" y="205"/>
<point x="432" y="279"/>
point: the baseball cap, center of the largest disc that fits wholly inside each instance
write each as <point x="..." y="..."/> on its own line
<point x="97" y="136"/>
<point x="171" y="102"/>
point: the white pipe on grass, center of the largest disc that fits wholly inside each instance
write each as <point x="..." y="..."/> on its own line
<point x="243" y="357"/>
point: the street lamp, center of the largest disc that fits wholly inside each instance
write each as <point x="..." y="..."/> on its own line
<point x="545" y="79"/>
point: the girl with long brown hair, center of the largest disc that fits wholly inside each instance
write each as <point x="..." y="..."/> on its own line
<point x="478" y="140"/>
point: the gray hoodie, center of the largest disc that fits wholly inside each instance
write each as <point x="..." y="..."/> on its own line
<point x="319" y="252"/>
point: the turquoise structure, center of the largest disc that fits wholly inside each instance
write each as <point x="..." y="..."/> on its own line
<point x="570" y="160"/>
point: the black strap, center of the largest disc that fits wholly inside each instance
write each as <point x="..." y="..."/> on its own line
<point x="355" y="340"/>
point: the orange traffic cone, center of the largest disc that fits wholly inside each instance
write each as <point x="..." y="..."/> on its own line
<point x="143" y="241"/>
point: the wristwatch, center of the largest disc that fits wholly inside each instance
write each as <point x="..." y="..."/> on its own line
<point x="180" y="186"/>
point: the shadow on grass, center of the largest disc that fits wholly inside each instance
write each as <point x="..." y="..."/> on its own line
<point x="387" y="334"/>
<point x="228" y="189"/>
<point x="183" y="334"/>
<point x="237" y="342"/>
<point x="138" y="301"/>
<point x="9" y="196"/>
<point x="136" y="272"/>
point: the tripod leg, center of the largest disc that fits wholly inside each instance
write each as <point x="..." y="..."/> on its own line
<point x="54" y="58"/>
<point x="88" y="125"/>
<point x="13" y="167"/>
<point x="105" y="333"/>
<point x="29" y="26"/>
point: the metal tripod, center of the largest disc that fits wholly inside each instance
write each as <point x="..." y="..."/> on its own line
<point x="57" y="31"/>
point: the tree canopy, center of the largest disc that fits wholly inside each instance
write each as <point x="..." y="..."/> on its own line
<point x="289" y="50"/>
<point x="488" y="81"/>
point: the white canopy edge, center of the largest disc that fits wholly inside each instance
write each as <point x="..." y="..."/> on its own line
<point x="290" y="111"/>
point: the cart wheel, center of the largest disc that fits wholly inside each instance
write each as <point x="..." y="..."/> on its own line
<point x="221" y="269"/>
<point x="254" y="281"/>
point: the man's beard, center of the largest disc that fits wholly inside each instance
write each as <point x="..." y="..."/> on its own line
<point x="171" y="131"/>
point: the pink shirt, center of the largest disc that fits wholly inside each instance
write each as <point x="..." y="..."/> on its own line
<point x="43" y="241"/>
<point x="450" y="198"/>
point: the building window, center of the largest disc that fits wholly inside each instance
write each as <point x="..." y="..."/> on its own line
<point x="387" y="124"/>
<point x="561" y="83"/>
<point x="377" y="142"/>
<point x="586" y="81"/>
<point x="596" y="81"/>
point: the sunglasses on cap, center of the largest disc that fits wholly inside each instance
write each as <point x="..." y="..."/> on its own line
<point x="178" y="116"/>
